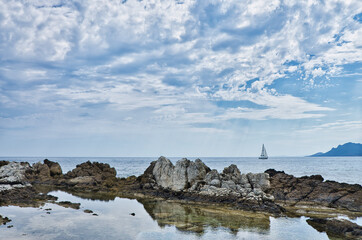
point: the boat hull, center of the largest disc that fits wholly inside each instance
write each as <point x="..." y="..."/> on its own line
<point x="263" y="157"/>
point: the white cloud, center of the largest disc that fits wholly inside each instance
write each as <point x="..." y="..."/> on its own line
<point x="165" y="63"/>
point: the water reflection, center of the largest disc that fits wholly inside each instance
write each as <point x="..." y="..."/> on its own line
<point x="154" y="219"/>
<point x="197" y="218"/>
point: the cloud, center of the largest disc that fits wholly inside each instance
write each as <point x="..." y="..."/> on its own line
<point x="169" y="63"/>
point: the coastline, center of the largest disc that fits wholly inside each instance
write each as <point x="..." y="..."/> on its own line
<point x="305" y="196"/>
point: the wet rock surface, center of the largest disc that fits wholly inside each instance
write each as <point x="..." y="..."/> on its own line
<point x="337" y="227"/>
<point x="313" y="190"/>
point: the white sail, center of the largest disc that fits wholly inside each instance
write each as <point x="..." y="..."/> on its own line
<point x="263" y="154"/>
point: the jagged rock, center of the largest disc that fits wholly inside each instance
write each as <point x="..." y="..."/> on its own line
<point x="337" y="227"/>
<point x="47" y="171"/>
<point x="231" y="173"/>
<point x="163" y="171"/>
<point x="244" y="181"/>
<point x="312" y="190"/>
<point x="213" y="178"/>
<point x="12" y="176"/>
<point x="259" y="180"/>
<point x="179" y="175"/>
<point x="54" y="168"/>
<point x="196" y="171"/>
<point x="182" y="176"/>
<point x="103" y="170"/>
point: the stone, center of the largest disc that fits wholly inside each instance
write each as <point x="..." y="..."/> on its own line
<point x="12" y="175"/>
<point x="313" y="190"/>
<point x="215" y="182"/>
<point x="231" y="173"/>
<point x="337" y="227"/>
<point x="68" y="204"/>
<point x="180" y="177"/>
<point x="88" y="211"/>
<point x="196" y="171"/>
<point x="212" y="175"/>
<point x="163" y="172"/>
<point x="259" y="180"/>
<point x="54" y="168"/>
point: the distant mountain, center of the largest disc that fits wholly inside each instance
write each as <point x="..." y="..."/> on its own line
<point x="347" y="149"/>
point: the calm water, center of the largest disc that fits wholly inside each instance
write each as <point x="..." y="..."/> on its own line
<point x="153" y="220"/>
<point x="341" y="169"/>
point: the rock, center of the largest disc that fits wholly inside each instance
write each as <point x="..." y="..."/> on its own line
<point x="102" y="170"/>
<point x="212" y="175"/>
<point x="92" y="176"/>
<point x="314" y="191"/>
<point x="54" y="168"/>
<point x="215" y="182"/>
<point x="259" y="180"/>
<point x="196" y="171"/>
<point x="24" y="196"/>
<point x="4" y="220"/>
<point x="337" y="227"/>
<point x="13" y="173"/>
<point x="231" y="173"/>
<point x="3" y="163"/>
<point x="180" y="177"/>
<point x="68" y="204"/>
<point x="132" y="214"/>
<point x="163" y="171"/>
<point x="88" y="211"/>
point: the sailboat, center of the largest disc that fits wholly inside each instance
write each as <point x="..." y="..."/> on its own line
<point x="263" y="154"/>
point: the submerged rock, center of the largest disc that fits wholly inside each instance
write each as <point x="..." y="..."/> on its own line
<point x="4" y="220"/>
<point x="68" y="204"/>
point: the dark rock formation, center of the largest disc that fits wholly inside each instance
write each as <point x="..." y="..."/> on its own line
<point x="314" y="191"/>
<point x="47" y="172"/>
<point x="91" y="175"/>
<point x="337" y="227"/>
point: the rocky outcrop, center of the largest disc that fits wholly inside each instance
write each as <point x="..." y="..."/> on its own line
<point x="182" y="176"/>
<point x="47" y="172"/>
<point x="91" y="175"/>
<point x="12" y="175"/>
<point x="314" y="190"/>
<point x="195" y="181"/>
<point x="337" y="227"/>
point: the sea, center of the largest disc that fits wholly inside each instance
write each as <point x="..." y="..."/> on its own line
<point x="158" y="219"/>
<point x="340" y="169"/>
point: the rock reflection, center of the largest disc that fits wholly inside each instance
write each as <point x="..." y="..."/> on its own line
<point x="197" y="218"/>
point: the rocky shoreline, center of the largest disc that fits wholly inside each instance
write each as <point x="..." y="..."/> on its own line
<point x="272" y="192"/>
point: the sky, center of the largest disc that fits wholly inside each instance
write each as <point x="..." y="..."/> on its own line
<point x="179" y="78"/>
